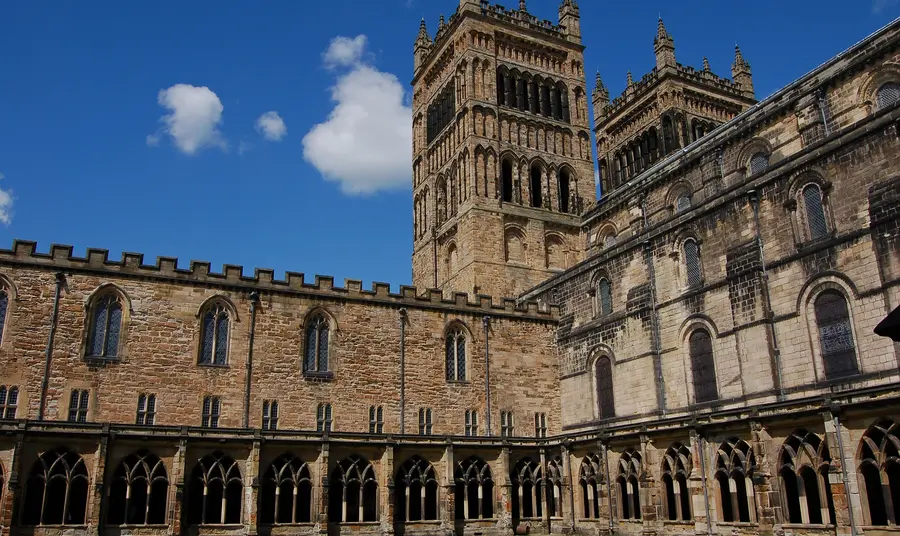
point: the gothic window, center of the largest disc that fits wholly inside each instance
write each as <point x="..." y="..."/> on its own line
<point x="734" y="465"/>
<point x="270" y="415"/>
<point x="692" y="263"/>
<point x="317" y="339"/>
<point x="376" y="419"/>
<point x="887" y="95"/>
<point x="814" y="212"/>
<point x="590" y="478"/>
<point x="455" y="354"/>
<point x="4" y="309"/>
<point x="353" y="492"/>
<point x="212" y="410"/>
<point x="676" y="471"/>
<point x="564" y="190"/>
<point x="835" y="335"/>
<point x="215" y="492"/>
<point x="501" y="88"/>
<point x="474" y="493"/>
<point x="535" y="187"/>
<point x="669" y="137"/>
<point x="803" y="470"/>
<point x="441" y="112"/>
<point x="628" y="485"/>
<point x="619" y="169"/>
<point x="604" y="297"/>
<point x="759" y="162"/>
<point x="323" y="417"/>
<point x="527" y="490"/>
<point x="471" y="427"/>
<point x="554" y="487"/>
<point x="604" y="380"/>
<point x="146" y="410"/>
<point x="286" y="495"/>
<point x="56" y="492"/>
<point x="507" y="424"/>
<point x="425" y="424"/>
<point x="506" y="181"/>
<point x="106" y="326"/>
<point x="138" y="494"/>
<point x="416" y="492"/>
<point x="880" y="470"/>
<point x="703" y="366"/>
<point x="9" y="401"/>
<point x="214" y="338"/>
<point x="540" y="425"/>
<point x="78" y="405"/>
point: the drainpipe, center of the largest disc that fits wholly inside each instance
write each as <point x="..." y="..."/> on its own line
<point x="486" y="321"/>
<point x="846" y="477"/>
<point x="654" y="318"/>
<point x="254" y="302"/>
<point x="45" y="382"/>
<point x="434" y="254"/>
<point x="403" y="316"/>
<point x="753" y="196"/>
<point x="705" y="485"/>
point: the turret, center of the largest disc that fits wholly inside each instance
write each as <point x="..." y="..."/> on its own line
<point x="740" y="73"/>
<point x="664" y="46"/>
<point x="469" y="5"/>
<point x="422" y="46"/>
<point x="600" y="97"/>
<point x="570" y="20"/>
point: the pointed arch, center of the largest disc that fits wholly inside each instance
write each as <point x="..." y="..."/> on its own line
<point x="416" y="491"/>
<point x="676" y="472"/>
<point x="456" y="351"/>
<point x="217" y="314"/>
<point x="56" y="492"/>
<point x="216" y="491"/>
<point x="138" y="493"/>
<point x="319" y="330"/>
<point x="590" y="477"/>
<point x="286" y="492"/>
<point x="527" y="489"/>
<point x="803" y="466"/>
<point x="735" y="463"/>
<point x="474" y="492"/>
<point x="107" y="316"/>
<point x="879" y="466"/>
<point x="628" y="484"/>
<point x="353" y="491"/>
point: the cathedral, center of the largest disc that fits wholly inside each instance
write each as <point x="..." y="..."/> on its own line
<point x="693" y="353"/>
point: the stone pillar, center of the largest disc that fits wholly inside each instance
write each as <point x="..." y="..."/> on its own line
<point x="548" y="489"/>
<point x="517" y="184"/>
<point x="447" y="514"/>
<point x="549" y="197"/>
<point x="699" y="485"/>
<point x="649" y="491"/>
<point x="764" y="493"/>
<point x="177" y="523"/>
<point x="8" y="503"/>
<point x="321" y="513"/>
<point x="251" y="489"/>
<point x="387" y="496"/>
<point x="567" y="494"/>
<point x="93" y="516"/>
<point x="503" y="500"/>
<point x="606" y="499"/>
<point x="841" y="475"/>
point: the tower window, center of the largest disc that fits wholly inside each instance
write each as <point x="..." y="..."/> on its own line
<point x="317" y="334"/>
<point x="816" y="224"/>
<point x="564" y="190"/>
<point x="471" y="422"/>
<point x="441" y="112"/>
<point x="323" y="418"/>
<point x="376" y="419"/>
<point x="887" y="95"/>
<point x="506" y="184"/>
<point x="540" y="425"/>
<point x="425" y="421"/>
<point x="9" y="401"/>
<point x="536" y="194"/>
<point x="604" y="297"/>
<point x="270" y="415"/>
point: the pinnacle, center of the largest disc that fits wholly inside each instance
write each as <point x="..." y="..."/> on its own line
<point x="661" y="32"/>
<point x="706" y="64"/>
<point x="630" y="80"/>
<point x="522" y="5"/>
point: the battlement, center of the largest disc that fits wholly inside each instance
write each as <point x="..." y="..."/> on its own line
<point x="61" y="258"/>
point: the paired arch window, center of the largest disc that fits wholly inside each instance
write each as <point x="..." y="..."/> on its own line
<point x="507" y="424"/>
<point x="590" y="478"/>
<point x="286" y="495"/>
<point x="270" y="415"/>
<point x="214" y="338"/>
<point x="416" y="491"/>
<point x="323" y="417"/>
<point x="455" y="354"/>
<point x="628" y="485"/>
<point x="79" y="403"/>
<point x="540" y="425"/>
<point x="880" y="470"/>
<point x="604" y="297"/>
<point x="138" y="494"/>
<point x="57" y="490"/>
<point x="425" y="423"/>
<point x="676" y="471"/>
<point x="527" y="489"/>
<point x="703" y="366"/>
<point x="441" y="112"/>
<point x="534" y="96"/>
<point x="759" y="162"/>
<point x="887" y="95"/>
<point x="216" y="491"/>
<point x="803" y="470"/>
<point x="814" y="212"/>
<point x="474" y="492"/>
<point x="212" y="410"/>
<point x="835" y="335"/>
<point x="734" y="465"/>
<point x="506" y="181"/>
<point x="318" y="331"/>
<point x="606" y="402"/>
<point x="353" y="492"/>
<point x="471" y="428"/>
<point x="554" y="487"/>
<point x="691" y="252"/>
<point x="376" y="419"/>
<point x="146" y="410"/>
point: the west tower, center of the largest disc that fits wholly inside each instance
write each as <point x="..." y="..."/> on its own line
<point x="502" y="161"/>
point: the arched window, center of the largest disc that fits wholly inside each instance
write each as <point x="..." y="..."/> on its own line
<point x="628" y="485"/>
<point x="591" y="478"/>
<point x="455" y="354"/>
<point x="692" y="263"/>
<point x="416" y="492"/>
<point x="554" y="487"/>
<point x="138" y="494"/>
<point x="803" y="469"/>
<point x="4" y="309"/>
<point x="887" y="95"/>
<point x="535" y="187"/>
<point x="734" y="465"/>
<point x="703" y="366"/>
<point x="353" y="492"/>
<point x="474" y="493"/>
<point x="506" y="181"/>
<point x="318" y="330"/>
<point x="880" y="470"/>
<point x="216" y="491"/>
<point x="604" y="297"/>
<point x="676" y="471"/>
<point x="814" y="211"/>
<point x="605" y="396"/>
<point x="57" y="490"/>
<point x="106" y="325"/>
<point x="682" y="202"/>
<point x="214" y="339"/>
<point x="527" y="490"/>
<point x="835" y="335"/>
<point x="564" y="190"/>
<point x="759" y="162"/>
<point x="286" y="496"/>
<point x="501" y="88"/>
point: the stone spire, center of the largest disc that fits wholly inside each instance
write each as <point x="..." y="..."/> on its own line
<point x="741" y="74"/>
<point x="661" y="32"/>
<point x="601" y="93"/>
<point x="739" y="61"/>
<point x="664" y="46"/>
<point x="422" y="46"/>
<point x="522" y="6"/>
<point x="706" y="64"/>
<point x="441" y="23"/>
<point x="630" y="80"/>
<point x="570" y="20"/>
<point x="423" y="33"/>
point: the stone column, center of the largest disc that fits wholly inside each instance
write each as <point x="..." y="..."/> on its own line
<point x="387" y="496"/>
<point x="649" y="491"/>
<point x="8" y="504"/>
<point x="93" y="516"/>
<point x="177" y="523"/>
<point x="251" y="490"/>
<point x="321" y="513"/>
<point x="763" y="491"/>
<point x="503" y="502"/>
<point x="848" y="511"/>
<point x="606" y="499"/>
<point x="699" y="488"/>
<point x="447" y="515"/>
<point x="548" y="489"/>
<point x="567" y="493"/>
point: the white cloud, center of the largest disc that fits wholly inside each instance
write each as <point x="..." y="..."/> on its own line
<point x="344" y="51"/>
<point x="6" y="204"/>
<point x="271" y="126"/>
<point x="194" y="118"/>
<point x="366" y="143"/>
<point x="880" y="5"/>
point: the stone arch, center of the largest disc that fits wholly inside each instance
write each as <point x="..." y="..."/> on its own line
<point x="757" y="145"/>
<point x="451" y="258"/>
<point x="834" y="342"/>
<point x="680" y="196"/>
<point x="217" y="299"/>
<point x="319" y="330"/>
<point x="601" y="366"/>
<point x="516" y="246"/>
<point x="883" y="74"/>
<point x="556" y="254"/>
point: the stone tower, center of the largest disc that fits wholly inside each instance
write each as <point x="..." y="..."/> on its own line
<point x="502" y="161"/>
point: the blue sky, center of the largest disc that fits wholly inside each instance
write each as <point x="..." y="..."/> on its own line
<point x="222" y="131"/>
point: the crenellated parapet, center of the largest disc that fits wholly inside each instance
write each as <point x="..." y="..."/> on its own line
<point x="61" y="258"/>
